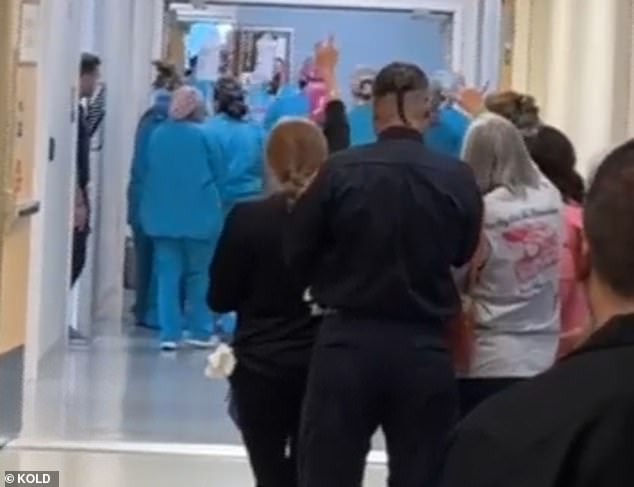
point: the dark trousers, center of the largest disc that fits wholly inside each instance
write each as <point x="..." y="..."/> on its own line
<point x="369" y="375"/>
<point x="474" y="392"/>
<point x="78" y="261"/>
<point x="268" y="411"/>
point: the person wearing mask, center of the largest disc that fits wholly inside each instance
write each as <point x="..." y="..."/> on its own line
<point x="275" y="331"/>
<point x="181" y="211"/>
<point x="167" y="80"/>
<point x="360" y="117"/>
<point x="555" y="156"/>
<point x="89" y="75"/>
<point x="574" y="424"/>
<point x="515" y="299"/>
<point x="449" y="125"/>
<point x="360" y="239"/>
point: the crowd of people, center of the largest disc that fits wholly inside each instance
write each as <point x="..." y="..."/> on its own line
<point x="427" y="256"/>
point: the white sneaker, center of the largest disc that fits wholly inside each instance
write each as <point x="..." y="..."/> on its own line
<point x="168" y="346"/>
<point x="212" y="343"/>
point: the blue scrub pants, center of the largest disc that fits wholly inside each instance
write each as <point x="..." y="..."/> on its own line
<point x="182" y="265"/>
<point x="145" y="306"/>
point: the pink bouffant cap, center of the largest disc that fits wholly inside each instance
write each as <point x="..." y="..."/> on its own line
<point x="185" y="101"/>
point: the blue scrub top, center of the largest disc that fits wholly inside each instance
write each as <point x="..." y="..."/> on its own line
<point x="446" y="135"/>
<point x="290" y="102"/>
<point x="361" y="122"/>
<point x="259" y="100"/>
<point x="150" y="120"/>
<point x="242" y="146"/>
<point x="181" y="195"/>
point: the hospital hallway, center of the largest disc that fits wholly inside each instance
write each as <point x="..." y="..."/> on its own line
<point x="86" y="386"/>
<point x="116" y="412"/>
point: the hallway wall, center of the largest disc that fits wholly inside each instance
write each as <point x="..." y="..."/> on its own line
<point x="577" y="59"/>
<point x="57" y="112"/>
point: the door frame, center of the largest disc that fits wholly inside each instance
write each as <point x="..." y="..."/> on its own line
<point x="471" y="40"/>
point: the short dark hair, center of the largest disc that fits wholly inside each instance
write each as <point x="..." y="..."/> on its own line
<point x="555" y="155"/>
<point x="398" y="79"/>
<point x="89" y="63"/>
<point x="609" y="220"/>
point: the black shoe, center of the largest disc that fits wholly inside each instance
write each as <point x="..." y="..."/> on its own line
<point x="75" y="337"/>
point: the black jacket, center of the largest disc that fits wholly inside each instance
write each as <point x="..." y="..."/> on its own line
<point x="83" y="150"/>
<point x="571" y="427"/>
<point x="378" y="231"/>
<point x="275" y="332"/>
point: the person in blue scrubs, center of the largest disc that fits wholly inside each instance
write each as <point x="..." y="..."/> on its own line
<point x="167" y="80"/>
<point x="241" y="142"/>
<point x="181" y="211"/>
<point x="360" y="118"/>
<point x="449" y="125"/>
<point x="290" y="102"/>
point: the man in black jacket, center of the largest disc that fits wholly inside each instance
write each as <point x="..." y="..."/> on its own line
<point x="375" y="237"/>
<point x="87" y="125"/>
<point x="574" y="425"/>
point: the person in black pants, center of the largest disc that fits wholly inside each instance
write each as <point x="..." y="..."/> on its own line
<point x="376" y="234"/>
<point x="275" y="329"/>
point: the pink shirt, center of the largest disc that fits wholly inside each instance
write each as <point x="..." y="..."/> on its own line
<point x="574" y="306"/>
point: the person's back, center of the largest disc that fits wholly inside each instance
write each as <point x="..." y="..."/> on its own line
<point x="149" y="121"/>
<point x="242" y="145"/>
<point x="249" y="275"/>
<point x="447" y="132"/>
<point x="276" y="328"/>
<point x="516" y="306"/>
<point x="388" y="198"/>
<point x="290" y="102"/>
<point x="181" y="198"/>
<point x="361" y="125"/>
<point x="374" y="236"/>
<point x="573" y="425"/>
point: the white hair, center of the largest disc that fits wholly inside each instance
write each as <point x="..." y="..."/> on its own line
<point x="497" y="153"/>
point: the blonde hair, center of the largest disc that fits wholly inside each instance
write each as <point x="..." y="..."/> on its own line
<point x="495" y="150"/>
<point x="295" y="151"/>
<point x="521" y="110"/>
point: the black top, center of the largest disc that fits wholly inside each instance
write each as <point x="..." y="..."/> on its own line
<point x="571" y="427"/>
<point x="275" y="331"/>
<point x="83" y="150"/>
<point x="380" y="228"/>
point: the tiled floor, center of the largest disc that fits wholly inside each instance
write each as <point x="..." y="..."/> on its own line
<point x="11" y="392"/>
<point x="81" y="469"/>
<point x="121" y="388"/>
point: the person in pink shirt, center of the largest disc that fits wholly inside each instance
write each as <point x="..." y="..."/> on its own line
<point x="553" y="152"/>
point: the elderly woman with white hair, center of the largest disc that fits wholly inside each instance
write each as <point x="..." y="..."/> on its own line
<point x="515" y="296"/>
